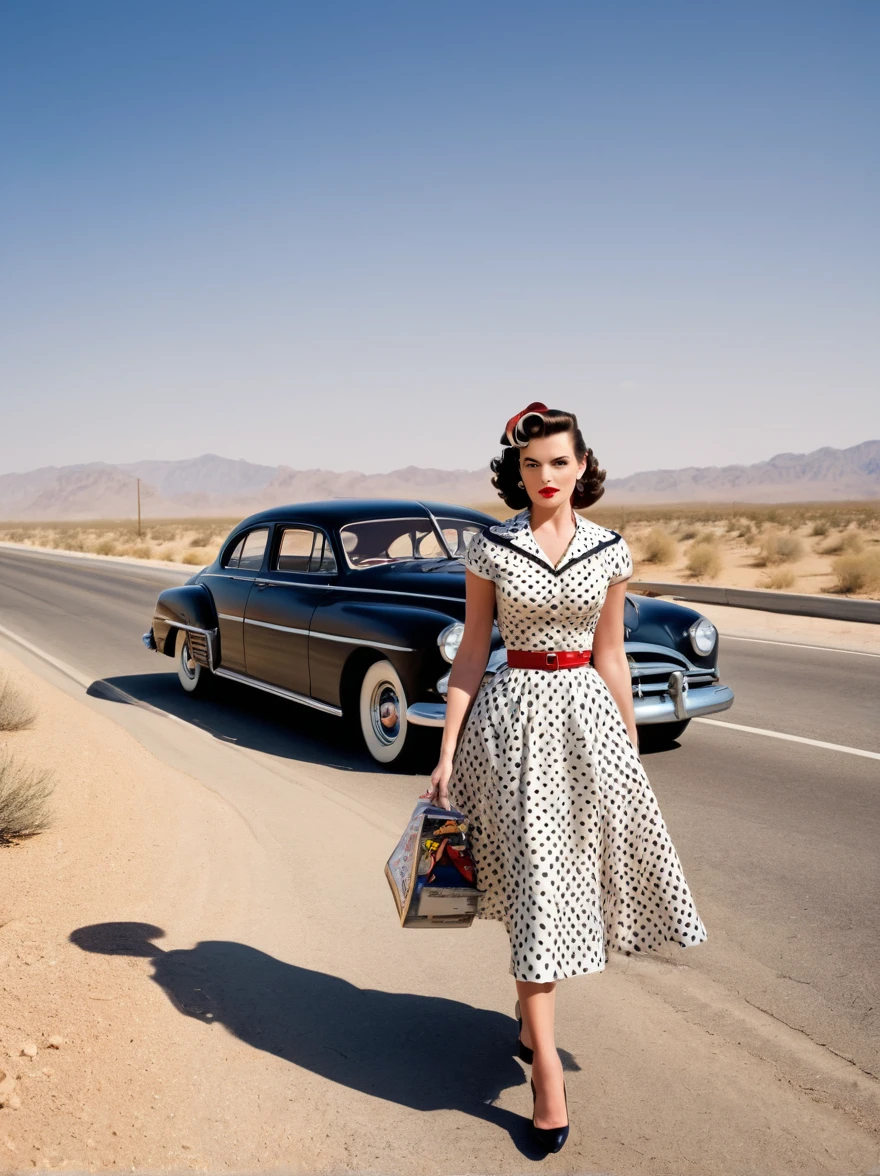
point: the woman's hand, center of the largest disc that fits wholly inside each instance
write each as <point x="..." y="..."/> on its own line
<point x="438" y="793"/>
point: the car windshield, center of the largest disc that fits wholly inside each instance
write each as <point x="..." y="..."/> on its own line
<point x="379" y="541"/>
<point x="457" y="533"/>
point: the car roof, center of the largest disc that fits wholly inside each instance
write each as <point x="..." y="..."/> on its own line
<point x="338" y="511"/>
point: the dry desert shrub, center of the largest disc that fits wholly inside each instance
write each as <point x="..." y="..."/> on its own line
<point x="205" y="539"/>
<point x="196" y="558"/>
<point x="104" y="547"/>
<point x="857" y="572"/>
<point x="780" y="578"/>
<point x="849" y="541"/>
<point x="658" y="546"/>
<point x="779" y="548"/>
<point x="820" y="527"/>
<point x="24" y="800"/>
<point x="137" y="551"/>
<point x="16" y="713"/>
<point x="704" y="561"/>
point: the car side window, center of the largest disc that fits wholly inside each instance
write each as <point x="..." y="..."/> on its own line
<point x="295" y="550"/>
<point x="250" y="558"/>
<point x="302" y="550"/>
<point x="232" y="559"/>
<point x="323" y="559"/>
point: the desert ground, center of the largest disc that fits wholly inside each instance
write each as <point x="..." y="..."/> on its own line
<point x="818" y="547"/>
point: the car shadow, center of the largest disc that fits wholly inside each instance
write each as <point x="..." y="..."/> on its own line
<point x="427" y="1053"/>
<point x="251" y="718"/>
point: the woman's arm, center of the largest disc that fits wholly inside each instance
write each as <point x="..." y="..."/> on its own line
<point x="465" y="676"/>
<point x="609" y="656"/>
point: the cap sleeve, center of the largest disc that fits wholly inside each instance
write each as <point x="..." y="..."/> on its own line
<point x="621" y="562"/>
<point x="478" y="559"/>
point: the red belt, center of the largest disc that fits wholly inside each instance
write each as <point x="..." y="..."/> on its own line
<point x="551" y="659"/>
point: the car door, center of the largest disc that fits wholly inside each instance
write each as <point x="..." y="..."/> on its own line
<point x="280" y="607"/>
<point x="230" y="587"/>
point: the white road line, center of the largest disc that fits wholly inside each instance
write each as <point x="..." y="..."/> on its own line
<point x="79" y="678"/>
<point x="86" y="682"/>
<point x="800" y="645"/>
<point x="792" y="738"/>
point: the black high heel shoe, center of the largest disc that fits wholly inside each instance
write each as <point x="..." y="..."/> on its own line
<point x="524" y="1052"/>
<point x="550" y="1139"/>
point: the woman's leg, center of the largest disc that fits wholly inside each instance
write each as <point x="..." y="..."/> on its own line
<point x="537" y="1004"/>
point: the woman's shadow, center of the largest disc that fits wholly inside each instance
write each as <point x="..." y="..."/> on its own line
<point x="423" y="1052"/>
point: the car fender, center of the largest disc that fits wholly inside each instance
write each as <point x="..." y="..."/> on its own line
<point x="188" y="607"/>
<point x="666" y="622"/>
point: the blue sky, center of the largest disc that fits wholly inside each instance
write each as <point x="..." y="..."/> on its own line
<point x="361" y="235"/>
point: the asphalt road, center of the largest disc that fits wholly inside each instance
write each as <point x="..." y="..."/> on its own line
<point x="779" y="840"/>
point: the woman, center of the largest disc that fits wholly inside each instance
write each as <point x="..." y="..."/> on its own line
<point x="569" y="842"/>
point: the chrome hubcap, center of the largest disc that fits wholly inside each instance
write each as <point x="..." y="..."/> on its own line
<point x="385" y="712"/>
<point x="186" y="660"/>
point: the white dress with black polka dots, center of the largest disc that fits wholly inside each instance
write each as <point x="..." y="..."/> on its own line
<point x="568" y="839"/>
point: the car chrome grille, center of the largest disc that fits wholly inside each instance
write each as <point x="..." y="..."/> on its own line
<point x="650" y="675"/>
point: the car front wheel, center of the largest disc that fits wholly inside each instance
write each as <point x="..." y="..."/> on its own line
<point x="194" y="678"/>
<point x="659" y="735"/>
<point x="384" y="727"/>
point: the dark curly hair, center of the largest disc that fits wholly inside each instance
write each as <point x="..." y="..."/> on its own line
<point x="507" y="471"/>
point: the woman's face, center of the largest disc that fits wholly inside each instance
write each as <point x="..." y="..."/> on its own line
<point x="549" y="464"/>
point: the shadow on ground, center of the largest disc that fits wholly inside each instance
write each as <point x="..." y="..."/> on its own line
<point x="251" y="718"/>
<point x="423" y="1052"/>
<point x="254" y="719"/>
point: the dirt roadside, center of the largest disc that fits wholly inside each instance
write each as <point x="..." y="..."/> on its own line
<point x="279" y="1018"/>
<point x="131" y="838"/>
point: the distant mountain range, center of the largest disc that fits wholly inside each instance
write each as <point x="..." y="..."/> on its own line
<point x="212" y="485"/>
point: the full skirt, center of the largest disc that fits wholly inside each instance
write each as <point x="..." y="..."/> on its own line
<point x="569" y="843"/>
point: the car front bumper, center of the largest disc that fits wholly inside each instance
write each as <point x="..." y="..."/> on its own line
<point x="676" y="704"/>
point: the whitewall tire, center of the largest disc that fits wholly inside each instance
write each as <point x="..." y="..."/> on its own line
<point x="382" y="706"/>
<point x="193" y="677"/>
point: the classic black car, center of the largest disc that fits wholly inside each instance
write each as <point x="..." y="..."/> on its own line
<point x="356" y="607"/>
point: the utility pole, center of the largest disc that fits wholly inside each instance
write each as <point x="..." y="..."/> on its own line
<point x="139" y="507"/>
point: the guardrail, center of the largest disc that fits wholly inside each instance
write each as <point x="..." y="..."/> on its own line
<point x="830" y="607"/>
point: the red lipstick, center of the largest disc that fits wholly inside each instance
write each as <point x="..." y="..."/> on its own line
<point x="548" y="491"/>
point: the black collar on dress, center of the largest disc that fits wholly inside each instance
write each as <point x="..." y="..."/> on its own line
<point x="518" y="536"/>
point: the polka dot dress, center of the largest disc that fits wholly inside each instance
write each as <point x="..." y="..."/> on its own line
<point x="569" y="842"/>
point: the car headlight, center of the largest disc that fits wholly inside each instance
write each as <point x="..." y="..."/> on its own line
<point x="450" y="639"/>
<point x="703" y="635"/>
